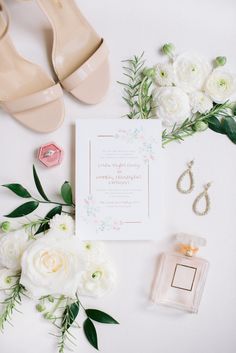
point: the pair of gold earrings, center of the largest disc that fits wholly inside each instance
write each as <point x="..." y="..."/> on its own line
<point x="204" y="194"/>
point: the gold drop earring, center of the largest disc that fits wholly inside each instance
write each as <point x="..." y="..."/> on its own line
<point x="204" y="194"/>
<point x="188" y="172"/>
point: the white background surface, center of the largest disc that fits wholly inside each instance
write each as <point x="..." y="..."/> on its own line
<point x="207" y="26"/>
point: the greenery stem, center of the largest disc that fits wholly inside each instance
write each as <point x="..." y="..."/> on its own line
<point x="54" y="203"/>
<point x="11" y="302"/>
<point x="57" y="305"/>
<point x="140" y="97"/>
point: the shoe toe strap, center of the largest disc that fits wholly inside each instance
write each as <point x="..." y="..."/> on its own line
<point x="86" y="69"/>
<point x="34" y="100"/>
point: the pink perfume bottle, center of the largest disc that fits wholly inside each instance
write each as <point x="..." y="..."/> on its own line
<point x="181" y="276"/>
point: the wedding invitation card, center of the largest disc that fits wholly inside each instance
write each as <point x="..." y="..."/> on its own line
<point x="118" y="179"/>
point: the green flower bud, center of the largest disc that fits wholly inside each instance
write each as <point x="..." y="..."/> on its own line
<point x="40" y="308"/>
<point x="50" y="299"/>
<point x="6" y="226"/>
<point x="168" y="49"/>
<point x="220" y="61"/>
<point x="149" y="72"/>
<point x="48" y="316"/>
<point x="8" y="280"/>
<point x="200" y="126"/>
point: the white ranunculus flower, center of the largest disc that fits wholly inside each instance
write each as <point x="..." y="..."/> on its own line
<point x="191" y="72"/>
<point x="51" y="265"/>
<point x="172" y="105"/>
<point x="7" y="278"/>
<point x="98" y="279"/>
<point x="12" y="246"/>
<point x="200" y="102"/>
<point x="164" y="74"/>
<point x="220" y="86"/>
<point x="93" y="250"/>
<point x="62" y="223"/>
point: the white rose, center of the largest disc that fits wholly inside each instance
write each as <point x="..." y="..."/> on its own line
<point x="172" y="105"/>
<point x="7" y="278"/>
<point x="200" y="102"/>
<point x="164" y="74"/>
<point x="51" y="265"/>
<point x="220" y="85"/>
<point x="12" y="246"/>
<point x="63" y="224"/>
<point x="191" y="72"/>
<point x="98" y="279"/>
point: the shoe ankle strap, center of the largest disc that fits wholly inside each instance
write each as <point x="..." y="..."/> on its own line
<point x="4" y="14"/>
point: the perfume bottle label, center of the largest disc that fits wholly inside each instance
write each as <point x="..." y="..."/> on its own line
<point x="184" y="277"/>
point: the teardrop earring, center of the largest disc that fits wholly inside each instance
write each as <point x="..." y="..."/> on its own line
<point x="203" y="194"/>
<point x="188" y="172"/>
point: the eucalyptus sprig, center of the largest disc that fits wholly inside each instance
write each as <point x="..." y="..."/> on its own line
<point x="12" y="301"/>
<point x="180" y="132"/>
<point x="36" y="227"/>
<point x="69" y="316"/>
<point x="217" y="119"/>
<point x="138" y="89"/>
<point x="42" y="224"/>
<point x="67" y="319"/>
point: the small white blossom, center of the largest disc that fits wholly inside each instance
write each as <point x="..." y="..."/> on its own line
<point x="191" y="72"/>
<point x="172" y="105"/>
<point x="164" y="74"/>
<point x="93" y="250"/>
<point x="98" y="279"/>
<point x="12" y="246"/>
<point x="62" y="224"/>
<point x="220" y="86"/>
<point x="200" y="102"/>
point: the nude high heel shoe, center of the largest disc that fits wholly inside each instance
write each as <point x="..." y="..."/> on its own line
<point x="26" y="92"/>
<point x="80" y="55"/>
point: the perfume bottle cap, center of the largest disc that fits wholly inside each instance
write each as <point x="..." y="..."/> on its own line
<point x="189" y="244"/>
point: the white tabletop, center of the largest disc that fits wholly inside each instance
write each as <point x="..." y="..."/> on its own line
<point x="205" y="26"/>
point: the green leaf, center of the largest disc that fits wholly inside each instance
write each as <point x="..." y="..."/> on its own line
<point x="18" y="189"/>
<point x="66" y="193"/>
<point x="45" y="226"/>
<point x="100" y="316"/>
<point x="90" y="333"/>
<point x="215" y="125"/>
<point x="24" y="209"/>
<point x="69" y="315"/>
<point x="229" y="126"/>
<point x="39" y="185"/>
<point x="42" y="228"/>
<point x="53" y="212"/>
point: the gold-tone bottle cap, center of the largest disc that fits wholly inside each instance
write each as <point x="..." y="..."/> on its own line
<point x="189" y="244"/>
<point x="188" y="250"/>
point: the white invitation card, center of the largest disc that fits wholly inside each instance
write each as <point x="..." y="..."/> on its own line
<point x="118" y="179"/>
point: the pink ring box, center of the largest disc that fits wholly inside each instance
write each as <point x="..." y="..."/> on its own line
<point x="50" y="154"/>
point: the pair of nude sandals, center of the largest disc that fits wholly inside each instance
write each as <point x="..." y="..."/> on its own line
<point x="80" y="60"/>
